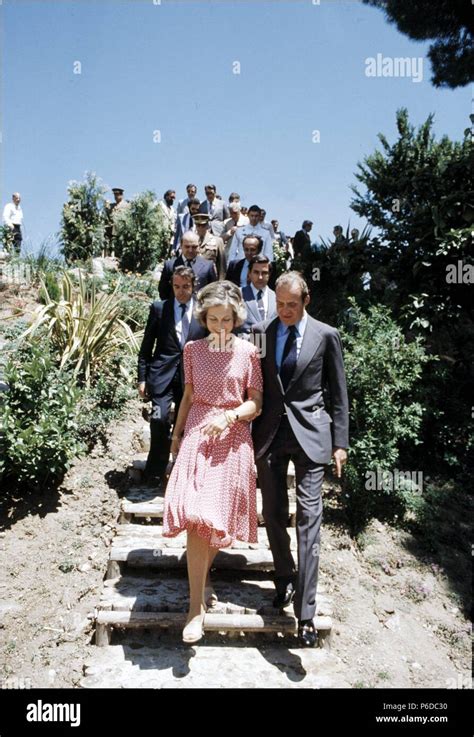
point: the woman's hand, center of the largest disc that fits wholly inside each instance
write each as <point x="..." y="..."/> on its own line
<point x="175" y="445"/>
<point x="216" y="426"/>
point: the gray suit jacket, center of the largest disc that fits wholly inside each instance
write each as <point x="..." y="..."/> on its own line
<point x="253" y="315"/>
<point x="220" y="214"/>
<point x="318" y="380"/>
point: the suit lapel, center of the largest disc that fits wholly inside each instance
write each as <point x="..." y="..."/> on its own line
<point x="168" y="319"/>
<point x="271" y="347"/>
<point x="311" y="340"/>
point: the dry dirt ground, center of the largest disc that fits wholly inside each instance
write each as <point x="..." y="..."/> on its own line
<point x="399" y="619"/>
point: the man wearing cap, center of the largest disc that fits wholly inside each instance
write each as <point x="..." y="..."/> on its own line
<point x="253" y="228"/>
<point x="204" y="270"/>
<point x="13" y="219"/>
<point x="183" y="205"/>
<point x="210" y="246"/>
<point x="215" y="208"/>
<point x="112" y="209"/>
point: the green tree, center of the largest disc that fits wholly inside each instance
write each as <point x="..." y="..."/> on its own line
<point x="82" y="224"/>
<point x="449" y="22"/>
<point x="141" y="237"/>
<point x="420" y="195"/>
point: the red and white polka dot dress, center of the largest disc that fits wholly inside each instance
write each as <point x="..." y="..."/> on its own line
<point x="212" y="486"/>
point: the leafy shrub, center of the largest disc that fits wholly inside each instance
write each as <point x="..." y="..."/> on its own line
<point x="382" y="369"/>
<point x="85" y="327"/>
<point x="141" y="236"/>
<point x="38" y="419"/>
<point x="82" y="225"/>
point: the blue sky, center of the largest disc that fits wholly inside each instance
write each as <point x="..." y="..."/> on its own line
<point x="169" y="67"/>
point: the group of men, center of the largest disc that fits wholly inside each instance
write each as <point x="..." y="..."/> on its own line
<point x="302" y="367"/>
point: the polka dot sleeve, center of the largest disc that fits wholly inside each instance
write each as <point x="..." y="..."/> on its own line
<point x="254" y="376"/>
<point x="188" y="363"/>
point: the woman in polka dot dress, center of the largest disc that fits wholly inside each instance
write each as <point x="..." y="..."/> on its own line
<point x="211" y="492"/>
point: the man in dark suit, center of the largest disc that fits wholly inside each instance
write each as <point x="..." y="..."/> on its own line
<point x="302" y="359"/>
<point x="204" y="270"/>
<point x="237" y="270"/>
<point x="302" y="241"/>
<point x="160" y="377"/>
<point x="215" y="208"/>
<point x="185" y="222"/>
<point x="259" y="299"/>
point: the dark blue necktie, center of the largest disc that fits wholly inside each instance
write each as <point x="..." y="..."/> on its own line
<point x="288" y="360"/>
<point x="184" y="324"/>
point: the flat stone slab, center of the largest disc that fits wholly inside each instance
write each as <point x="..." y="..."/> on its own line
<point x="171" y="664"/>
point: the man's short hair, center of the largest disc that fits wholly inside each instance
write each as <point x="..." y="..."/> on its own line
<point x="194" y="201"/>
<point x="291" y="279"/>
<point x="254" y="208"/>
<point x="211" y="186"/>
<point x="169" y="191"/>
<point x="260" y="258"/>
<point x="234" y="196"/>
<point x="256" y="238"/>
<point x="235" y="206"/>
<point x="185" y="272"/>
<point x="188" y="186"/>
<point x="306" y="222"/>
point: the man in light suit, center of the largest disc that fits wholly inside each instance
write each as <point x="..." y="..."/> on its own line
<point x="204" y="270"/>
<point x="160" y="376"/>
<point x="215" y="208"/>
<point x="259" y="298"/>
<point x="183" y="205"/>
<point x="303" y="359"/>
<point x="254" y="227"/>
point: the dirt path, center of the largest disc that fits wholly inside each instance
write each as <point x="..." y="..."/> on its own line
<point x="397" y="620"/>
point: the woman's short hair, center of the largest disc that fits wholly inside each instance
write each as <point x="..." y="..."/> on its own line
<point x="292" y="279"/>
<point x="220" y="293"/>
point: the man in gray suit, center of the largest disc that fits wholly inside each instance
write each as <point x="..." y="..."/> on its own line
<point x="302" y="359"/>
<point x="259" y="300"/>
<point x="215" y="208"/>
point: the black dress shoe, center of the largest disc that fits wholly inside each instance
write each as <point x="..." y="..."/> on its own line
<point x="307" y="635"/>
<point x="284" y="596"/>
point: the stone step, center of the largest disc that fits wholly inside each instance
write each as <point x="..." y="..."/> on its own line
<point x="152" y="537"/>
<point x="213" y="622"/>
<point x="156" y="558"/>
<point x="171" y="594"/>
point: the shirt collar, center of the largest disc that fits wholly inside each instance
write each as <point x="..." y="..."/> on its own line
<point x="300" y="326"/>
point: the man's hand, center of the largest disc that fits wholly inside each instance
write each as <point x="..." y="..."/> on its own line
<point x="142" y="389"/>
<point x="340" y="459"/>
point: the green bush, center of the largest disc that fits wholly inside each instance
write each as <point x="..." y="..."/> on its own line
<point x="141" y="236"/>
<point x="382" y="370"/>
<point x="38" y="419"/>
<point x="104" y="401"/>
<point x="82" y="225"/>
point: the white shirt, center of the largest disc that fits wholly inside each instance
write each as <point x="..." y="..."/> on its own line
<point x="12" y="214"/>
<point x="237" y="249"/>
<point x="264" y="291"/>
<point x="178" y="322"/>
